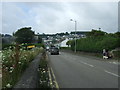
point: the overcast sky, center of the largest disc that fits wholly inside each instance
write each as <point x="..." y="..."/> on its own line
<point x="54" y="17"/>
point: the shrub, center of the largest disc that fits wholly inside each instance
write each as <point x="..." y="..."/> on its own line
<point x="95" y="44"/>
<point x="14" y="62"/>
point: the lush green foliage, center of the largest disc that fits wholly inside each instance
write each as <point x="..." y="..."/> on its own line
<point x="24" y="35"/>
<point x="96" y="33"/>
<point x="97" y="41"/>
<point x="43" y="72"/>
<point x="68" y="43"/>
<point x="5" y="46"/>
<point x="67" y="48"/>
<point x="14" y="62"/>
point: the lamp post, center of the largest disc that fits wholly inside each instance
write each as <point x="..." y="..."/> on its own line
<point x="75" y="31"/>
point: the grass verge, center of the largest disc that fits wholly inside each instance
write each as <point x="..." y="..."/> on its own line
<point x="14" y="62"/>
<point x="44" y="81"/>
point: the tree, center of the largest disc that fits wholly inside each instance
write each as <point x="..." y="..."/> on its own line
<point x="66" y="33"/>
<point x="24" y="35"/>
<point x="96" y="33"/>
<point x="39" y="39"/>
<point x="68" y="43"/>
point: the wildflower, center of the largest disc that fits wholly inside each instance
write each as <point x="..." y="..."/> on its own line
<point x="19" y="62"/>
<point x="10" y="71"/>
<point x="21" y="49"/>
<point x="8" y="85"/>
<point x="11" y="68"/>
<point x="43" y="71"/>
<point x="3" y="56"/>
<point x="6" y="68"/>
<point x="10" y="47"/>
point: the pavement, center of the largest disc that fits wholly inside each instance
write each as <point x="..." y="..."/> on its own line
<point x="80" y="71"/>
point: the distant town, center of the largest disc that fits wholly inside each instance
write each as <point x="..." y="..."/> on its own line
<point x="48" y="39"/>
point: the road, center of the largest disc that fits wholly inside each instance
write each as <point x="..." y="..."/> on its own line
<point x="78" y="71"/>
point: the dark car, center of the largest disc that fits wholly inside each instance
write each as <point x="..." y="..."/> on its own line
<point x="54" y="50"/>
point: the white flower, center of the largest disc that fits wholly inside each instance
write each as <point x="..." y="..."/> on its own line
<point x="3" y="56"/>
<point x="8" y="85"/>
<point x="6" y="68"/>
<point x="19" y="62"/>
<point x="43" y="71"/>
<point x="10" y="71"/>
<point x="21" y="49"/>
<point x="11" y="68"/>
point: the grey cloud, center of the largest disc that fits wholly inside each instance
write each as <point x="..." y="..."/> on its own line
<point x="55" y="17"/>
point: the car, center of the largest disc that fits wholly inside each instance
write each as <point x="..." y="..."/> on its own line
<point x="54" y="50"/>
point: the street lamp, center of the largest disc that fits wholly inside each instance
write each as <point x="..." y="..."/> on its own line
<point x="75" y="31"/>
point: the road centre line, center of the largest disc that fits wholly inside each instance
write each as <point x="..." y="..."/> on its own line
<point x="114" y="63"/>
<point x="112" y="73"/>
<point x="87" y="64"/>
<point x="104" y="69"/>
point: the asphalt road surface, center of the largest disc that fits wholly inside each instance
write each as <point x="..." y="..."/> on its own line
<point x="78" y="71"/>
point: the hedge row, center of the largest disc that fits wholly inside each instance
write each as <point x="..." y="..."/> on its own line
<point x="96" y="44"/>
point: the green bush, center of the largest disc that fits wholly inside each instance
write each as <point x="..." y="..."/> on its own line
<point x="64" y="47"/>
<point x="14" y="62"/>
<point x="95" y="44"/>
<point x="7" y="46"/>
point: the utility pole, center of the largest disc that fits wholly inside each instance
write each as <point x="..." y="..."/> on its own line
<point x="75" y="32"/>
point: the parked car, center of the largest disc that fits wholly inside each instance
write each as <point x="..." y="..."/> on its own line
<point x="54" y="50"/>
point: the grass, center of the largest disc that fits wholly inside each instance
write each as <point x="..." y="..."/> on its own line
<point x="43" y="73"/>
<point x="14" y="62"/>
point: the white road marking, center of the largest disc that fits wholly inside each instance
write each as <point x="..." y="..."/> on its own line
<point x="114" y="63"/>
<point x="112" y="73"/>
<point x="87" y="64"/>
